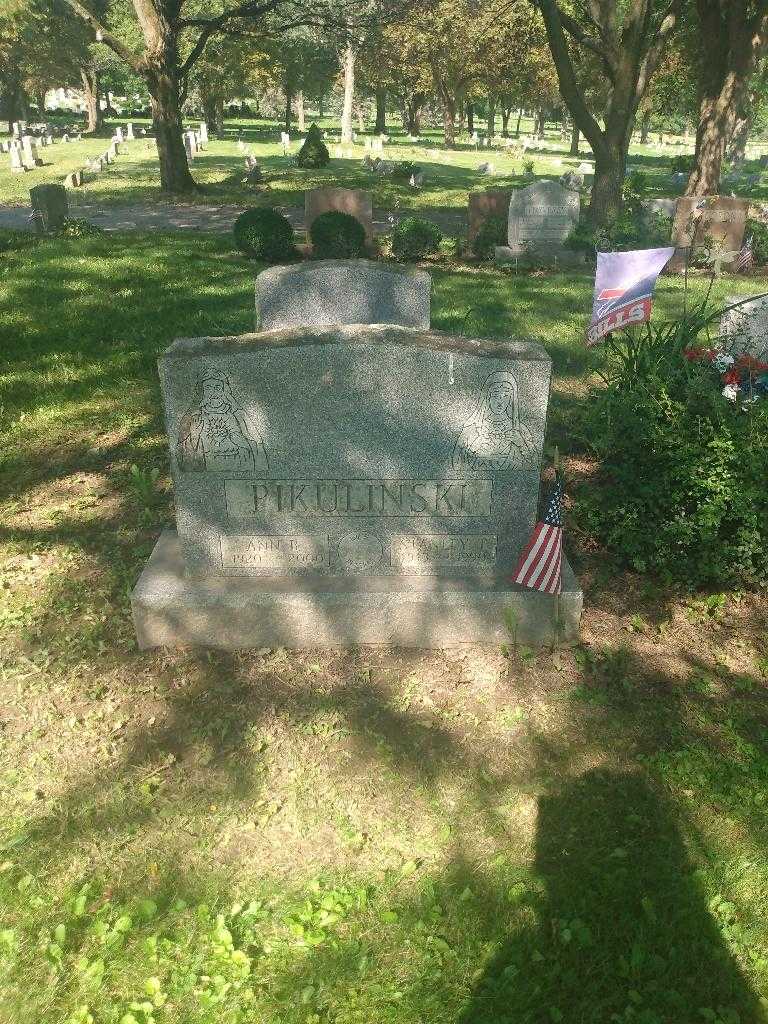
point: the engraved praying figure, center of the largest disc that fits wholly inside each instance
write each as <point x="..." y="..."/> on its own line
<point x="494" y="438"/>
<point x="217" y="435"/>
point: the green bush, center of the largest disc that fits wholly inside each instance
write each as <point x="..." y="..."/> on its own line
<point x="12" y="239"/>
<point x="680" y="490"/>
<point x="757" y="230"/>
<point x="403" y="170"/>
<point x="634" y="228"/>
<point x="77" y="227"/>
<point x="414" y="238"/>
<point x="314" y="152"/>
<point x="264" y="235"/>
<point x="682" y="164"/>
<point x="337" y="236"/>
<point x="493" y="232"/>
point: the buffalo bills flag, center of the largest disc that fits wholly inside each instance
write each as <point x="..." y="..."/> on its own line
<point x="624" y="283"/>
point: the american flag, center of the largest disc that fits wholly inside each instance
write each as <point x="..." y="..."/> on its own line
<point x="540" y="562"/>
<point x="746" y="258"/>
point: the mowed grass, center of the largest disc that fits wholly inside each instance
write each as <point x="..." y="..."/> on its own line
<point x="476" y="836"/>
<point x="449" y="174"/>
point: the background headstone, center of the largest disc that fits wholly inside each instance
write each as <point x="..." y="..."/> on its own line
<point x="342" y="292"/>
<point x="744" y="330"/>
<point x="493" y="202"/>
<point x="721" y="219"/>
<point x="541" y="216"/>
<point x="347" y="200"/>
<point x="49" y="206"/>
<point x="17" y="162"/>
<point x="29" y="153"/>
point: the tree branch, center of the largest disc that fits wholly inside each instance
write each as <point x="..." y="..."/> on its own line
<point x="653" y="56"/>
<point x="110" y="40"/>
<point x="566" y="76"/>
<point x="574" y="29"/>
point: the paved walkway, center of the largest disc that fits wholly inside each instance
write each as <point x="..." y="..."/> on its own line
<point x="203" y="217"/>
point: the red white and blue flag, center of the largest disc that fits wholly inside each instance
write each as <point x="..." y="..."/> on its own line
<point x="541" y="562"/>
<point x="624" y="283"/>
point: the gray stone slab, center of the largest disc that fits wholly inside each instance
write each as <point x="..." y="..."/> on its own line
<point x="356" y="450"/>
<point x="342" y="292"/>
<point x="542" y="213"/>
<point x="555" y="255"/>
<point x="49" y="206"/>
<point x="744" y="330"/>
<point x="170" y="609"/>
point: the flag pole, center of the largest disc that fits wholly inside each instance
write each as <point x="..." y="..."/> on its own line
<point x="558" y="596"/>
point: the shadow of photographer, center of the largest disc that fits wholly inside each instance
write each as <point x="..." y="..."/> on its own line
<point x="621" y="931"/>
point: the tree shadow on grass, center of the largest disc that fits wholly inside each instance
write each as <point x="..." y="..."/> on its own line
<point x="622" y="932"/>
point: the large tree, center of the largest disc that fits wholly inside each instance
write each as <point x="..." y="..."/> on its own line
<point x="628" y="37"/>
<point x="174" y="35"/>
<point x="732" y="37"/>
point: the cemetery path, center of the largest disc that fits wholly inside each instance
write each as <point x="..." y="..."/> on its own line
<point x="213" y="218"/>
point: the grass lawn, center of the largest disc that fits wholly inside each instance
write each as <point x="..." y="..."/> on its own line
<point x="449" y="174"/>
<point x="477" y="836"/>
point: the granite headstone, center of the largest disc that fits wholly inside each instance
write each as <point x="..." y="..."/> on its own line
<point x="744" y="330"/>
<point x="721" y="220"/>
<point x="493" y="202"/>
<point x="347" y="200"/>
<point x="342" y="292"/>
<point x="351" y="484"/>
<point x="541" y="216"/>
<point x="49" y="206"/>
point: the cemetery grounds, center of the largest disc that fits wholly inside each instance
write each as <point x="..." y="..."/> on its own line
<point x="475" y="836"/>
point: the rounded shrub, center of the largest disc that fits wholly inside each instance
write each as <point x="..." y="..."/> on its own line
<point x="314" y="152"/>
<point x="414" y="238"/>
<point x="492" y="232"/>
<point x="264" y="234"/>
<point x="337" y="236"/>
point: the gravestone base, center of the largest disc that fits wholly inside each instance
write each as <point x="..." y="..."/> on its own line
<point x="562" y="257"/>
<point x="170" y="609"/>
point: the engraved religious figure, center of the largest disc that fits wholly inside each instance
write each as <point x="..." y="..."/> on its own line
<point x="217" y="435"/>
<point x="494" y="438"/>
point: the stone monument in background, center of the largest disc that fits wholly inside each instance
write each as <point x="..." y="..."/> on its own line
<point x="351" y="483"/>
<point x="700" y="222"/>
<point x="541" y="217"/>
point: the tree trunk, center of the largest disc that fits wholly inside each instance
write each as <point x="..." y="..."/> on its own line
<point x="731" y="43"/>
<point x="645" y="127"/>
<point x="491" y="116"/>
<point x="506" y="111"/>
<point x="10" y="89"/>
<point x="412" y="112"/>
<point x="218" y="117"/>
<point x="300" y="114"/>
<point x="349" y="93"/>
<point x="163" y="83"/>
<point x="109" y="110"/>
<point x="90" y="80"/>
<point x="519" y="119"/>
<point x="605" y="205"/>
<point x="737" y="144"/>
<point x="360" y="119"/>
<point x="575" y="140"/>
<point x="449" y="120"/>
<point x="320" y="105"/>
<point x="380" y="128"/>
<point x="471" y="118"/>
<point x="40" y="101"/>
<point x="288" y="114"/>
<point x="541" y="123"/>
